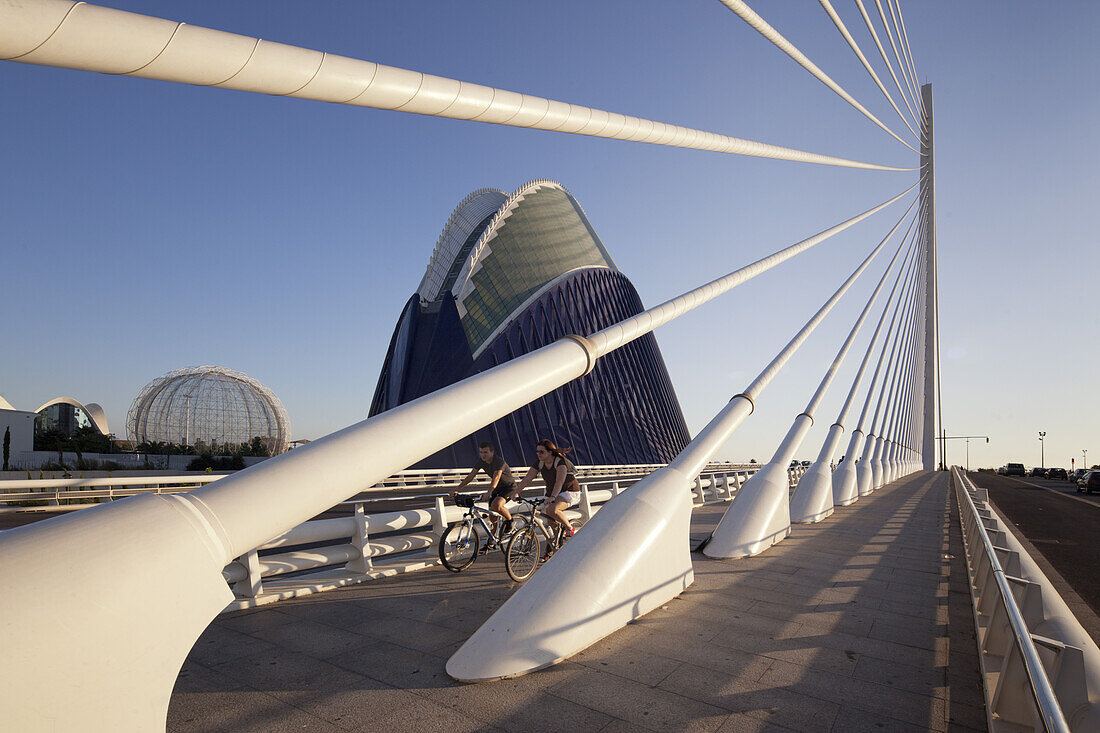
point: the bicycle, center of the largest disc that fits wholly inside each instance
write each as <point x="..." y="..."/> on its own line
<point x="522" y="556"/>
<point x="462" y="542"/>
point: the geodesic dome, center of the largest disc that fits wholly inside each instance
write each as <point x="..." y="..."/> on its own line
<point x="208" y="404"/>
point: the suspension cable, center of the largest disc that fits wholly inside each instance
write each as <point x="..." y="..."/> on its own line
<point x="886" y="60"/>
<point x="748" y="15"/>
<point x="828" y="7"/>
<point x="625" y="331"/>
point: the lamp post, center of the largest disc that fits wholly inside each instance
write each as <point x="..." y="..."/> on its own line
<point x="1042" y="459"/>
<point x="967" y="438"/>
<point x="1084" y="458"/>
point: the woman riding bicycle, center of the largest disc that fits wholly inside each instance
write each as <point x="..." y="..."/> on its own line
<point x="502" y="486"/>
<point x="562" y="488"/>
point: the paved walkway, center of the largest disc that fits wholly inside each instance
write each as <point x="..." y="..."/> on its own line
<point x="860" y="622"/>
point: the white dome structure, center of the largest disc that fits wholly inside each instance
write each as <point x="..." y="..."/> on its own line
<point x="208" y="404"/>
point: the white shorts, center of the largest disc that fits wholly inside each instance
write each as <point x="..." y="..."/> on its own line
<point x="569" y="497"/>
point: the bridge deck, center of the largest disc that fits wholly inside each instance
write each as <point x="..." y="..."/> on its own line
<point x="860" y="622"/>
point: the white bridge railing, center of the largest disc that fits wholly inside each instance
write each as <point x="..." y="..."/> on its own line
<point x="1040" y="667"/>
<point x="369" y="546"/>
<point x="363" y="545"/>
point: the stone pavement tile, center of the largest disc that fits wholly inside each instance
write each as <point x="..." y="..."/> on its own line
<point x="324" y="608"/>
<point x="961" y="716"/>
<point x="834" y="661"/>
<point x="194" y="677"/>
<point x="781" y="597"/>
<point x="282" y="670"/>
<point x="409" y="632"/>
<point x="855" y="720"/>
<point x="770" y="703"/>
<point x="722" y="597"/>
<point x="524" y="703"/>
<point x="879" y="699"/>
<point x="920" y="635"/>
<point x="649" y="707"/>
<point x="965" y="686"/>
<point x="220" y="644"/>
<point x="372" y="705"/>
<point x="745" y="723"/>
<point x="849" y="621"/>
<point x="730" y="661"/>
<point x="253" y="619"/>
<point x="692" y="620"/>
<point x="242" y="711"/>
<point x="738" y="623"/>
<point x="419" y="714"/>
<point x="638" y="664"/>
<point x="395" y="665"/>
<point x="938" y="613"/>
<point x="315" y="639"/>
<point x="925" y="680"/>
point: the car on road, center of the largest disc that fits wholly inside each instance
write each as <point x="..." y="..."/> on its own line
<point x="1089" y="483"/>
<point x="1058" y="474"/>
<point x="1078" y="474"/>
<point x="1014" y="469"/>
<point x="1037" y="472"/>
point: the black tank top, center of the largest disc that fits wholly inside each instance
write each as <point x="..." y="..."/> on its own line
<point x="550" y="475"/>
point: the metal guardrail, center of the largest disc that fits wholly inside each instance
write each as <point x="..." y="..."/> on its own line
<point x="1020" y="693"/>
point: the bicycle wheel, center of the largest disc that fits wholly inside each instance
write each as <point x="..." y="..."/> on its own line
<point x="459" y="545"/>
<point x="523" y="554"/>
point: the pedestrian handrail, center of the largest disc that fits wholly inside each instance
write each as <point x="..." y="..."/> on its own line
<point x="1030" y="679"/>
<point x="372" y="545"/>
<point x="58" y="490"/>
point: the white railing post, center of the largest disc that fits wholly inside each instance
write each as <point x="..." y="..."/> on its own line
<point x="586" y="504"/>
<point x="252" y="584"/>
<point x="697" y="489"/>
<point x="615" y="488"/>
<point x="361" y="540"/>
<point x="439" y="520"/>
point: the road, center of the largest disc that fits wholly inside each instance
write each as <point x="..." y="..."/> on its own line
<point x="1063" y="526"/>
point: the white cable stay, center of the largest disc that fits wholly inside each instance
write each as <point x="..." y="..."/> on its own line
<point x="906" y="48"/>
<point x="873" y="467"/>
<point x="632" y="556"/>
<point x="893" y="31"/>
<point x="760" y="515"/>
<point x="846" y="482"/>
<point x="767" y="514"/>
<point x="886" y="60"/>
<point x="828" y="7"/>
<point x="748" y="15"/>
<point x="815" y="496"/>
<point x="94" y="38"/>
<point x="177" y="545"/>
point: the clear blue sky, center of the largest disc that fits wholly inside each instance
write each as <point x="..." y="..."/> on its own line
<point x="149" y="226"/>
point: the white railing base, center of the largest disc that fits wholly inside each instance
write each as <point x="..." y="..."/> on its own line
<point x="325" y="580"/>
<point x="632" y="557"/>
<point x="758" y="518"/>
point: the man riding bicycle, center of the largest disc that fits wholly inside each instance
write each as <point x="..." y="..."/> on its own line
<point x="502" y="486"/>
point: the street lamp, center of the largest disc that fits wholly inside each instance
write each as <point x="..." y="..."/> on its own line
<point x="1084" y="458"/>
<point x="1042" y="459"/>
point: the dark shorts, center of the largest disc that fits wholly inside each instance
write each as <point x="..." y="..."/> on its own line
<point x="503" y="491"/>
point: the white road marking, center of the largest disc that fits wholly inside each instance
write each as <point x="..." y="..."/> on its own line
<point x="1056" y="492"/>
